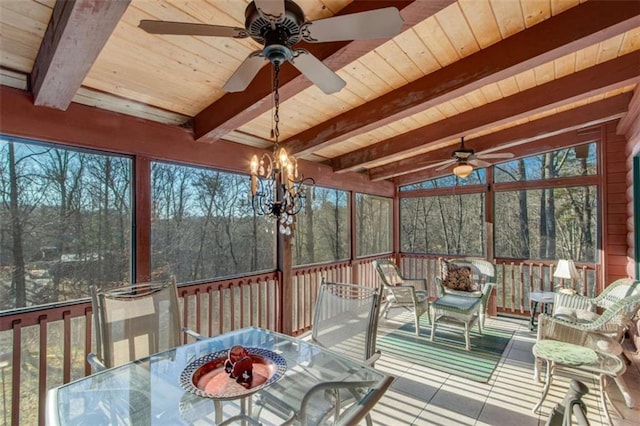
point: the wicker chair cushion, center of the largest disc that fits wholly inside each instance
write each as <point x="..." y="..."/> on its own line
<point x="575" y="315"/>
<point x="458" y="278"/>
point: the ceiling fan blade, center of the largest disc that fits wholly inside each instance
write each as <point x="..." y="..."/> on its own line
<point x="245" y="72"/>
<point x="448" y="163"/>
<point x="496" y="155"/>
<point x="187" y="28"/>
<point x="478" y="163"/>
<point x="378" y="23"/>
<point x="273" y="10"/>
<point x="317" y="72"/>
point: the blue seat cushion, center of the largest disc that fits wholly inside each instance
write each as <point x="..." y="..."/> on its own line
<point x="457" y="302"/>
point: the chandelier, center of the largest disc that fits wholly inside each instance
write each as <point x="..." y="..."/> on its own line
<point x="278" y="190"/>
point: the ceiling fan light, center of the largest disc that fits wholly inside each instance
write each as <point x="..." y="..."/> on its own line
<point x="462" y="170"/>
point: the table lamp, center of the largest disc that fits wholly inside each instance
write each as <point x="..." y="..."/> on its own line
<point x="566" y="270"/>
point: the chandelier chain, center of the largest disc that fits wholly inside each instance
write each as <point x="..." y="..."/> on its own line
<point x="276" y="100"/>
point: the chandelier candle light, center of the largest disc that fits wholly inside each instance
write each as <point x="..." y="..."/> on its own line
<point x="277" y="189"/>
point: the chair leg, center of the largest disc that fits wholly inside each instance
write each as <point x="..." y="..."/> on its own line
<point x="417" y="322"/>
<point x="537" y="366"/>
<point x="624" y="390"/>
<point x="385" y="309"/>
<point x="547" y="385"/>
<point x="467" y="344"/>
<point x="604" y="398"/>
<point x="433" y="329"/>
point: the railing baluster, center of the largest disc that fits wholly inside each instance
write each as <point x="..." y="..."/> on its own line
<point x="42" y="367"/>
<point x="15" y="372"/>
<point x="88" y="329"/>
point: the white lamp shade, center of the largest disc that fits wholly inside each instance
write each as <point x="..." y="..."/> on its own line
<point x="566" y="270"/>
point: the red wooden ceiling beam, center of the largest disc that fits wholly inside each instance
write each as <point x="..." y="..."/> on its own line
<point x="88" y="127"/>
<point x="589" y="82"/>
<point x="235" y="109"/>
<point x="77" y="32"/>
<point x="573" y="119"/>
<point x="550" y="143"/>
<point x="576" y="28"/>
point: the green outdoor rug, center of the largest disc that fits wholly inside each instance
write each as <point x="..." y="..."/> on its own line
<point x="446" y="353"/>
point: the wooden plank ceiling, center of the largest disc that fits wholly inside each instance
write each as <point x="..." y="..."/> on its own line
<point x="503" y="73"/>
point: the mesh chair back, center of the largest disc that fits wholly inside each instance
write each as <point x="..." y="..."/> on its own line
<point x="135" y="321"/>
<point x="346" y="319"/>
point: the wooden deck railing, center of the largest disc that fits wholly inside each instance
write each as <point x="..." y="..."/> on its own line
<point x="53" y="341"/>
<point x="515" y="279"/>
<point x="306" y="280"/>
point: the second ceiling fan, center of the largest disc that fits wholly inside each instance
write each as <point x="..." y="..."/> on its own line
<point x="465" y="158"/>
<point x="278" y="25"/>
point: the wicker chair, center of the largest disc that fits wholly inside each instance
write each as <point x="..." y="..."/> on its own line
<point x="135" y="321"/>
<point x="579" y="309"/>
<point x="406" y="293"/>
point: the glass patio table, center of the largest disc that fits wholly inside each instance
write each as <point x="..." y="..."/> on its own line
<point x="148" y="391"/>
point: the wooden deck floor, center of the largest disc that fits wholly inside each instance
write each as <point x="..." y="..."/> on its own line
<point x="424" y="396"/>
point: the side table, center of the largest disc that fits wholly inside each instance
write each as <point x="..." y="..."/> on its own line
<point x="558" y="354"/>
<point x="537" y="297"/>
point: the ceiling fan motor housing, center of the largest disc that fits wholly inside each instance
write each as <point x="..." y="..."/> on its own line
<point x="287" y="30"/>
<point x="462" y="153"/>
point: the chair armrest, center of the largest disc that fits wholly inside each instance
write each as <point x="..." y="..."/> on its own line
<point x="193" y="334"/>
<point x="372" y="359"/>
<point x="573" y="301"/>
<point x="402" y="293"/>
<point x="417" y="283"/>
<point x="559" y="329"/>
<point x="356" y="413"/>
<point x="441" y="289"/>
<point x="95" y="362"/>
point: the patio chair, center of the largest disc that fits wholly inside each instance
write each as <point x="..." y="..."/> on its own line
<point x="571" y="406"/>
<point x="135" y="321"/>
<point x="406" y="293"/>
<point x="580" y="309"/>
<point x="346" y="321"/>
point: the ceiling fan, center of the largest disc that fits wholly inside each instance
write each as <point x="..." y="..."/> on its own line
<point x="466" y="158"/>
<point x="278" y="25"/>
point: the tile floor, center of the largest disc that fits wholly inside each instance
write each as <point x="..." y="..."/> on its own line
<point x="423" y="396"/>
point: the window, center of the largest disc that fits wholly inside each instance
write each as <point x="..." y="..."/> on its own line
<point x="477" y="177"/>
<point x="542" y="222"/>
<point x="443" y="224"/>
<point x="203" y="225"/>
<point x="322" y="227"/>
<point x="65" y="222"/>
<point x="558" y="223"/>
<point x="374" y="225"/>
<point x="576" y="161"/>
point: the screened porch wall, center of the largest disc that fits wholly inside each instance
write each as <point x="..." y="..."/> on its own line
<point x="83" y="126"/>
